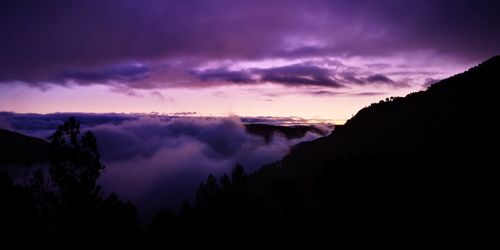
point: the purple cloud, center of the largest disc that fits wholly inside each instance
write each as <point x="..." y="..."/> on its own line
<point x="300" y="74"/>
<point x="82" y="40"/>
<point x="325" y="93"/>
<point x="290" y="75"/>
<point x="379" y="78"/>
<point x="368" y="93"/>
<point x="115" y="73"/>
<point x="350" y="78"/>
<point x="223" y="75"/>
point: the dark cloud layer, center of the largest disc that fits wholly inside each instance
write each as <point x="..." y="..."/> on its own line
<point x="300" y="75"/>
<point x="290" y="75"/>
<point x="124" y="73"/>
<point x="223" y="75"/>
<point x="43" y="125"/>
<point x="83" y="41"/>
<point x="379" y="78"/>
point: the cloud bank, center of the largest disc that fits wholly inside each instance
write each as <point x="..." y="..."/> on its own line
<point x="158" y="161"/>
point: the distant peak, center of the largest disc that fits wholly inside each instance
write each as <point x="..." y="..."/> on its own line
<point x="485" y="68"/>
<point x="496" y="57"/>
<point x="494" y="60"/>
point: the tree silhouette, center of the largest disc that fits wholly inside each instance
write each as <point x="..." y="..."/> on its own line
<point x="18" y="212"/>
<point x="237" y="194"/>
<point x="238" y="175"/>
<point x="225" y="181"/>
<point x="218" y="204"/>
<point x="69" y="206"/>
<point x="75" y="161"/>
<point x="80" y="208"/>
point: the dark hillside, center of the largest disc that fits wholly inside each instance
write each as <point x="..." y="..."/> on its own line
<point x="289" y="132"/>
<point x="420" y="163"/>
<point x="16" y="148"/>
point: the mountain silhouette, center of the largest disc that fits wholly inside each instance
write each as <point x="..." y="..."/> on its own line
<point x="19" y="149"/>
<point x="404" y="166"/>
<point x="453" y="119"/>
<point x="267" y="131"/>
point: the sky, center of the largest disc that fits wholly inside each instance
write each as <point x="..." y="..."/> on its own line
<point x="315" y="59"/>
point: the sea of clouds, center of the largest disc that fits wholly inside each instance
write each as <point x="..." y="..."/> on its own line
<point x="158" y="161"/>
